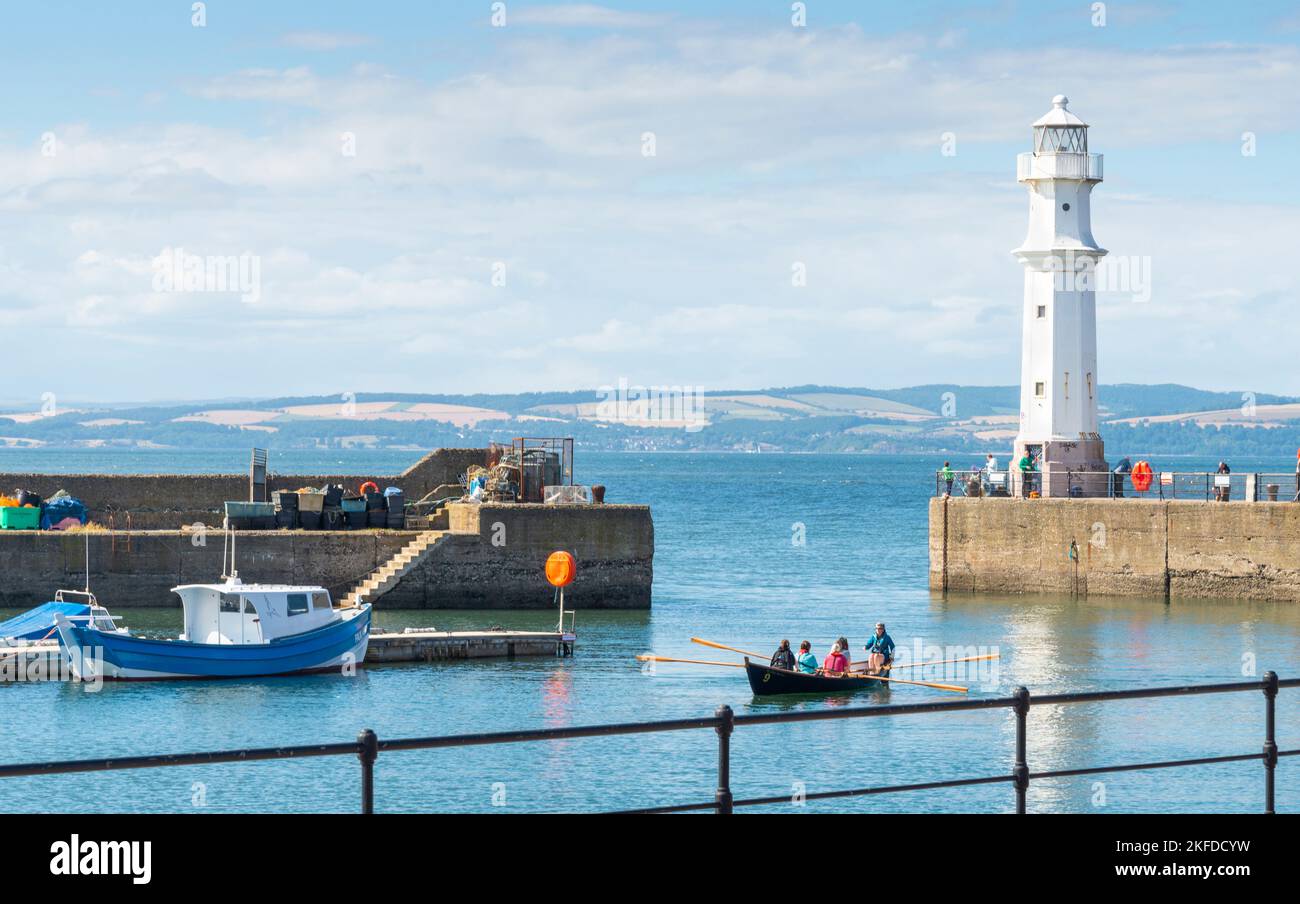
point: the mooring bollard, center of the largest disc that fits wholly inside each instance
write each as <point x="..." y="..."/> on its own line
<point x="368" y="742"/>
<point x="726" y="724"/>
<point x="1021" y="771"/>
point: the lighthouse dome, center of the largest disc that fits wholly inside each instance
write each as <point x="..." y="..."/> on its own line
<point x="1060" y="131"/>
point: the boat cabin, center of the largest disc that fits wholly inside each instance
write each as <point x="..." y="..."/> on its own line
<point x="238" y="613"/>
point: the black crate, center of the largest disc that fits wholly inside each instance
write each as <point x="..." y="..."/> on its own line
<point x="331" y="519"/>
<point x="357" y="520"/>
<point x="396" y="521"/>
<point x="286" y="520"/>
<point x="285" y="502"/>
<point x="309" y="520"/>
<point x="374" y="501"/>
<point x="377" y="518"/>
<point x="333" y="496"/>
<point x="264" y="522"/>
<point x="395" y="503"/>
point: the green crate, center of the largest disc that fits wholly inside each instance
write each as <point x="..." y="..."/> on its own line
<point x="20" y="518"/>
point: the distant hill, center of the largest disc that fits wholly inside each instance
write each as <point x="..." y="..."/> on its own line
<point x="1167" y="418"/>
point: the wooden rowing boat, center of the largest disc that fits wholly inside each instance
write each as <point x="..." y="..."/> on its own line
<point x="766" y="681"/>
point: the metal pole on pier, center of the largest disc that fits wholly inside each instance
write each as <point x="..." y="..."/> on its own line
<point x="1021" y="771"/>
<point x="368" y="742"/>
<point x="726" y="725"/>
<point x="1270" y="738"/>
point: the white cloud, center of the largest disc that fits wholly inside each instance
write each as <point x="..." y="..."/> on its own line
<point x="773" y="148"/>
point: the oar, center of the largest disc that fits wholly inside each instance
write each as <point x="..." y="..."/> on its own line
<point x="723" y="646"/>
<point x="647" y="657"/>
<point x="943" y="687"/>
<point x="916" y="665"/>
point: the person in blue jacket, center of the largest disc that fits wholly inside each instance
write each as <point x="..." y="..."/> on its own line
<point x="881" y="650"/>
<point x="807" y="661"/>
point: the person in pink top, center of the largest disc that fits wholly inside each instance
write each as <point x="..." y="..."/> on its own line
<point x="836" y="662"/>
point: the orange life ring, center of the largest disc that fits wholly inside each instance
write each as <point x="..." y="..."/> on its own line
<point x="1141" y="477"/>
<point x="561" y="569"/>
<point x="369" y="483"/>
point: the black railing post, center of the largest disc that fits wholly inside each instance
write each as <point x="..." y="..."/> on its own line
<point x="367" y="753"/>
<point x="1270" y="737"/>
<point x="726" y="724"/>
<point x="1021" y="772"/>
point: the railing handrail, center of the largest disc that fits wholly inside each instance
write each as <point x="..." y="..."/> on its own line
<point x="367" y="746"/>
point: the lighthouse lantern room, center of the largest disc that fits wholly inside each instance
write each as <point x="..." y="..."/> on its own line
<point x="1058" y="373"/>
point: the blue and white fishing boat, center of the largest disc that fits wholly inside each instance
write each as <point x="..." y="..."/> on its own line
<point x="232" y="630"/>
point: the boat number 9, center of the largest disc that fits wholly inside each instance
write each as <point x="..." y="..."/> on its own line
<point x="767" y="676"/>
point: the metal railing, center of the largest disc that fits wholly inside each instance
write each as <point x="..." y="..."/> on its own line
<point x="724" y="722"/>
<point x="1065" y="165"/>
<point x="1194" y="485"/>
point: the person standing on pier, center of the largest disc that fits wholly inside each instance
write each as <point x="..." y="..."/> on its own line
<point x="1224" y="493"/>
<point x="948" y="476"/>
<point x="881" y="650"/>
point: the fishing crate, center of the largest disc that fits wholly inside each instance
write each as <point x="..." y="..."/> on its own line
<point x="20" y="519"/>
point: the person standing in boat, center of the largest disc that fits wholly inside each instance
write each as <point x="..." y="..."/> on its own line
<point x="807" y="661"/>
<point x="783" y="658"/>
<point x="836" y="663"/>
<point x="880" y="650"/>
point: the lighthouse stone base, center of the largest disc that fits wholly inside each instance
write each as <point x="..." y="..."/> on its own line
<point x="1074" y="468"/>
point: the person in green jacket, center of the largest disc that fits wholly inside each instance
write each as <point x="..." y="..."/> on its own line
<point x="948" y="476"/>
<point x="1026" y="472"/>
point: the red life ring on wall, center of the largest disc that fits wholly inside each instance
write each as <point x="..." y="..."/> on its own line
<point x="1141" y="477"/>
<point x="369" y="483"/>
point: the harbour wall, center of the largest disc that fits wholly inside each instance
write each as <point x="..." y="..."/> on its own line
<point x="169" y="501"/>
<point x="493" y="558"/>
<point x="1168" y="549"/>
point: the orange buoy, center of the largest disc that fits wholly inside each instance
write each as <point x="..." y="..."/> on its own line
<point x="1141" y="476"/>
<point x="561" y="569"/>
<point x="369" y="483"/>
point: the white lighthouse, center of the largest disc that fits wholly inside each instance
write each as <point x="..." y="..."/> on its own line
<point x="1058" y="372"/>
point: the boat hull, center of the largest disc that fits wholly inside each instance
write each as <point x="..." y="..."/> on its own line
<point x="97" y="654"/>
<point x="767" y="681"/>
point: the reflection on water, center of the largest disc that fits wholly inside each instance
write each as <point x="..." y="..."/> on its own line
<point x="726" y="570"/>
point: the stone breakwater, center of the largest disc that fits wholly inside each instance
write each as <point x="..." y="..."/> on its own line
<point x="1169" y="549"/>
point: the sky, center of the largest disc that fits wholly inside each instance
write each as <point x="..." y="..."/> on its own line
<point x="476" y="197"/>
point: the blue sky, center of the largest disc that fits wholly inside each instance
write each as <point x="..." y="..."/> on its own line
<point x="519" y="150"/>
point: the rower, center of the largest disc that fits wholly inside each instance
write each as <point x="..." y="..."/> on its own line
<point x="783" y="658"/>
<point x="807" y="661"/>
<point x="881" y="650"/>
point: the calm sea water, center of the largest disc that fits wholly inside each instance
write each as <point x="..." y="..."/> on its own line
<point x="726" y="569"/>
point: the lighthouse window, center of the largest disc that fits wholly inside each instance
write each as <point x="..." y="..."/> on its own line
<point x="1065" y="207"/>
<point x="1042" y="311"/>
<point x="1038" y="390"/>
